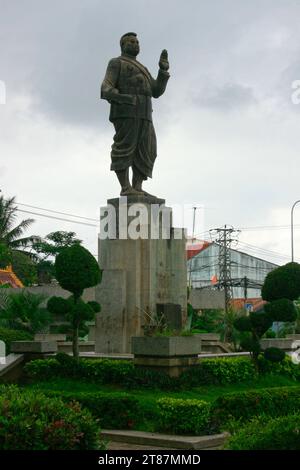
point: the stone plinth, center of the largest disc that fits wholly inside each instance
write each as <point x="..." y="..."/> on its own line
<point x="138" y="274"/>
<point x="35" y="347"/>
<point x="166" y="346"/>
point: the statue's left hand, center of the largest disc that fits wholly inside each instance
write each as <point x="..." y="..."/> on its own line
<point x="163" y="61"/>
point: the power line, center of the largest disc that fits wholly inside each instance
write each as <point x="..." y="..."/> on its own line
<point x="57" y="212"/>
<point x="56" y="218"/>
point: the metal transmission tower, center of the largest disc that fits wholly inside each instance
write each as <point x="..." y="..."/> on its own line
<point x="224" y="239"/>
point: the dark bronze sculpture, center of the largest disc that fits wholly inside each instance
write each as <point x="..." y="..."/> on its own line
<point x="128" y="86"/>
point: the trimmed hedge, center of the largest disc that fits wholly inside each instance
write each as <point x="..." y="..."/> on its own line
<point x="113" y="411"/>
<point x="8" y="336"/>
<point x="183" y="416"/>
<point x="276" y="434"/>
<point x="29" y="420"/>
<point x="243" y="406"/>
<point x="219" y="371"/>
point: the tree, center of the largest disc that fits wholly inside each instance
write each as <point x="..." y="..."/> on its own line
<point x="24" y="267"/>
<point x="280" y="289"/>
<point x="54" y="243"/>
<point x="48" y="248"/>
<point x="25" y="311"/>
<point x="5" y="256"/>
<point x="75" y="269"/>
<point x="11" y="235"/>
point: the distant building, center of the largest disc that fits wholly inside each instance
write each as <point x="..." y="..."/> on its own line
<point x="247" y="272"/>
<point x="9" y="278"/>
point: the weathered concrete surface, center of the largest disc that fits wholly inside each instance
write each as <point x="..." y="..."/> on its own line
<point x="163" y="346"/>
<point x="281" y="343"/>
<point x="33" y="346"/>
<point x="50" y="337"/>
<point x="206" y="298"/>
<point x="49" y="290"/>
<point x="138" y="275"/>
<point x="166" y="440"/>
<point x="11" y="371"/>
<point x="83" y="346"/>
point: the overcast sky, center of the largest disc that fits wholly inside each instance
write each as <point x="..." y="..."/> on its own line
<point x="227" y="130"/>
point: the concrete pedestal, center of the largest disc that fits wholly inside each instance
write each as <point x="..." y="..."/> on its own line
<point x="138" y="274"/>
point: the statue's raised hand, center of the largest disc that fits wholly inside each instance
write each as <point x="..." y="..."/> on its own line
<point x="163" y="60"/>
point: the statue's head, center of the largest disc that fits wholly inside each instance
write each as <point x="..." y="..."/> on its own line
<point x="130" y="44"/>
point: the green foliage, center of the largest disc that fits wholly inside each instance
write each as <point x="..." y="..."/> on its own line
<point x="76" y="269"/>
<point x="219" y="371"/>
<point x="274" y="354"/>
<point x="244" y="406"/>
<point x="250" y="343"/>
<point x="183" y="416"/>
<point x="5" y="256"/>
<point x="243" y="323"/>
<point x="24" y="311"/>
<point x="282" y="283"/>
<point x="58" y="305"/>
<point x="24" y="267"/>
<point x="30" y="420"/>
<point x="268" y="434"/>
<point x="208" y="320"/>
<point x="8" y="336"/>
<point x="282" y="310"/>
<point x="113" y="411"/>
<point x="45" y="271"/>
<point x="95" y="306"/>
<point x="54" y="243"/>
<point x="270" y="334"/>
<point x="12" y="236"/>
<point x="284" y="368"/>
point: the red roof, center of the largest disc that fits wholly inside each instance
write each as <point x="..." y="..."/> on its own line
<point x="7" y="276"/>
<point x="257" y="303"/>
<point x="193" y="249"/>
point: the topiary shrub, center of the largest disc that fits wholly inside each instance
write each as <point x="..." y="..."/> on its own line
<point x="8" y="336"/>
<point x="281" y="287"/>
<point x="183" y="416"/>
<point x="268" y="434"/>
<point x="76" y="269"/>
<point x="282" y="283"/>
<point x="116" y="410"/>
<point x="282" y="310"/>
<point x="244" y="406"/>
<point x="274" y="354"/>
<point x="29" y="420"/>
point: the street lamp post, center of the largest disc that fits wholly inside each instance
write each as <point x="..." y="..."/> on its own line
<point x="292" y="227"/>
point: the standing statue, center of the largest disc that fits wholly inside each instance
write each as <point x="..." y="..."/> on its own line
<point x="128" y="86"/>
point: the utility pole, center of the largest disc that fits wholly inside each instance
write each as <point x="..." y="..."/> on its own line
<point x="224" y="241"/>
<point x="193" y="236"/>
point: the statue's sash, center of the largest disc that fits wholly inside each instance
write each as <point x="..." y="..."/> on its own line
<point x="139" y="66"/>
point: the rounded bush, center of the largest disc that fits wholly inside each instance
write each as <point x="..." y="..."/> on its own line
<point x="95" y="306"/>
<point x="7" y="336"/>
<point x="268" y="434"/>
<point x="243" y="324"/>
<point x="281" y="310"/>
<point x="261" y="322"/>
<point x="274" y="354"/>
<point x="250" y="344"/>
<point x="76" y="269"/>
<point x="31" y="421"/>
<point x="57" y="305"/>
<point x="282" y="283"/>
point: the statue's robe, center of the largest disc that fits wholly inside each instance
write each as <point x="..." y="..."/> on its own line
<point x="129" y="87"/>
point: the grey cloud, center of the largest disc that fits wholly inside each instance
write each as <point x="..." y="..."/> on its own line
<point x="228" y="97"/>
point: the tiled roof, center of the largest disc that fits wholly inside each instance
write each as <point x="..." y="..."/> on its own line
<point x="7" y="276"/>
<point x="257" y="303"/>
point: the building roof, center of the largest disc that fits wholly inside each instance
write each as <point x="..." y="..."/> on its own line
<point x="192" y="249"/>
<point x="257" y="303"/>
<point x="7" y="276"/>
